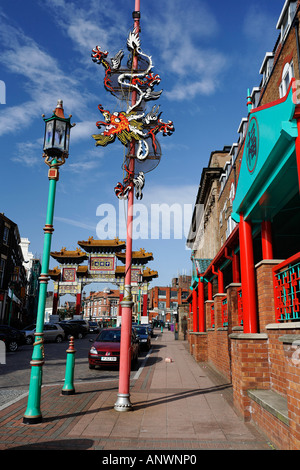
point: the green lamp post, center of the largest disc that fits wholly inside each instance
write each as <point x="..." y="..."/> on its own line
<point x="56" y="150"/>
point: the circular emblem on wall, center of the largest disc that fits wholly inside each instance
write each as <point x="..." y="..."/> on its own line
<point x="252" y="143"/>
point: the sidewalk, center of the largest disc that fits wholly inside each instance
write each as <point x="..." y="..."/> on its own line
<point x="177" y="405"/>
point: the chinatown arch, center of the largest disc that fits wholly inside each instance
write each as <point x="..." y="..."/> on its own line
<point x="101" y="261"/>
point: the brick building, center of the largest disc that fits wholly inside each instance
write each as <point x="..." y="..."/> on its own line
<point x="102" y="306"/>
<point x="244" y="301"/>
<point x="13" y="280"/>
<point x="164" y="301"/>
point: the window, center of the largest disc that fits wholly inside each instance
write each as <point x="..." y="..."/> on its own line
<point x="2" y="269"/>
<point x="286" y="17"/>
<point x="161" y="293"/>
<point x="5" y="235"/>
<point x="267" y="66"/>
<point x="287" y="75"/>
<point x="234" y="152"/>
<point x="162" y="305"/>
<point x="255" y="95"/>
<point x="227" y="169"/>
<point x="242" y="129"/>
<point x="230" y="226"/>
<point x="232" y="193"/>
<point x="222" y="181"/>
<point x="50" y="326"/>
<point x="221" y="219"/>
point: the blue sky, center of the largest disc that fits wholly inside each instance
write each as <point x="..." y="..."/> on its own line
<point x="207" y="53"/>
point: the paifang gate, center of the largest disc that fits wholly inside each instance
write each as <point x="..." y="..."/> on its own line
<point x="98" y="261"/>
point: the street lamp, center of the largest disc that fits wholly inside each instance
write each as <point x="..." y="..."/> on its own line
<point x="57" y="136"/>
<point x="56" y="150"/>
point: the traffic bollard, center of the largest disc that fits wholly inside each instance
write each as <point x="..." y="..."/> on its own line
<point x="68" y="388"/>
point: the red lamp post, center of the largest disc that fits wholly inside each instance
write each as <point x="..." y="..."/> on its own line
<point x="137" y="131"/>
<point x="123" y="402"/>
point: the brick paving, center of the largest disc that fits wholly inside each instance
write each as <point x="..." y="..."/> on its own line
<point x="177" y="406"/>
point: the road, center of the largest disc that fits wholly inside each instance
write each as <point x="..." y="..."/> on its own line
<point x="15" y="374"/>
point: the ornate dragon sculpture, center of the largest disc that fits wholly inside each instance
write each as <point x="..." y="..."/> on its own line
<point x="131" y="126"/>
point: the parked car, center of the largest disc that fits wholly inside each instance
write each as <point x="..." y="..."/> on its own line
<point x="2" y="338"/>
<point x="150" y="328"/>
<point x="93" y="327"/>
<point x="52" y="332"/>
<point x="12" y="337"/>
<point x="73" y="329"/>
<point x="105" y="350"/>
<point x="144" y="337"/>
<point x="83" y="323"/>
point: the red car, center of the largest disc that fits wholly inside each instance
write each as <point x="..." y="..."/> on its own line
<point x="105" y="350"/>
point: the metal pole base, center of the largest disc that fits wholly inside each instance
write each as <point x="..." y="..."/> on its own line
<point x="68" y="392"/>
<point x="123" y="402"/>
<point x="33" y="420"/>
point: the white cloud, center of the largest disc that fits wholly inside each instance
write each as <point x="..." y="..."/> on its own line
<point x="84" y="33"/>
<point x="88" y="25"/>
<point x="182" y="92"/>
<point x="20" y="114"/>
<point x="162" y="201"/>
<point x="82" y="166"/>
<point x="83" y="129"/>
<point x="39" y="75"/>
<point x="75" y="223"/>
<point x="184" y="194"/>
<point x="29" y="153"/>
<point x="259" y="27"/>
<point x="178" y="30"/>
<point x="182" y="30"/>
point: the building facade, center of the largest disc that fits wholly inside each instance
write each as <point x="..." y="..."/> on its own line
<point x="165" y="300"/>
<point x="32" y="267"/>
<point x="245" y="290"/>
<point x="13" y="281"/>
<point x="102" y="306"/>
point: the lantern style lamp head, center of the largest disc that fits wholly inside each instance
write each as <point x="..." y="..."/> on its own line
<point x="57" y="136"/>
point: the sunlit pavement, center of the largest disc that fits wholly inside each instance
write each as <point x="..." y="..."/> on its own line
<point x="178" y="404"/>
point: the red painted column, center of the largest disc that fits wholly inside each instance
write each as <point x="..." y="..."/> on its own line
<point x="190" y="314"/>
<point x="120" y="306"/>
<point x="55" y="303"/>
<point x="126" y="324"/>
<point x="195" y="310"/>
<point x="220" y="279"/>
<point x="235" y="267"/>
<point x="248" y="277"/>
<point x="201" y="314"/>
<point x="145" y="305"/>
<point x="78" y="304"/>
<point x="209" y="291"/>
<point x="266" y="239"/>
<point x="220" y="282"/>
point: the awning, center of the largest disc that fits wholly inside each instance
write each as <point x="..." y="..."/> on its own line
<point x="268" y="176"/>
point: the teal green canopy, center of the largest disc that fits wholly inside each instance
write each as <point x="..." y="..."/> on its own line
<point x="268" y="175"/>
